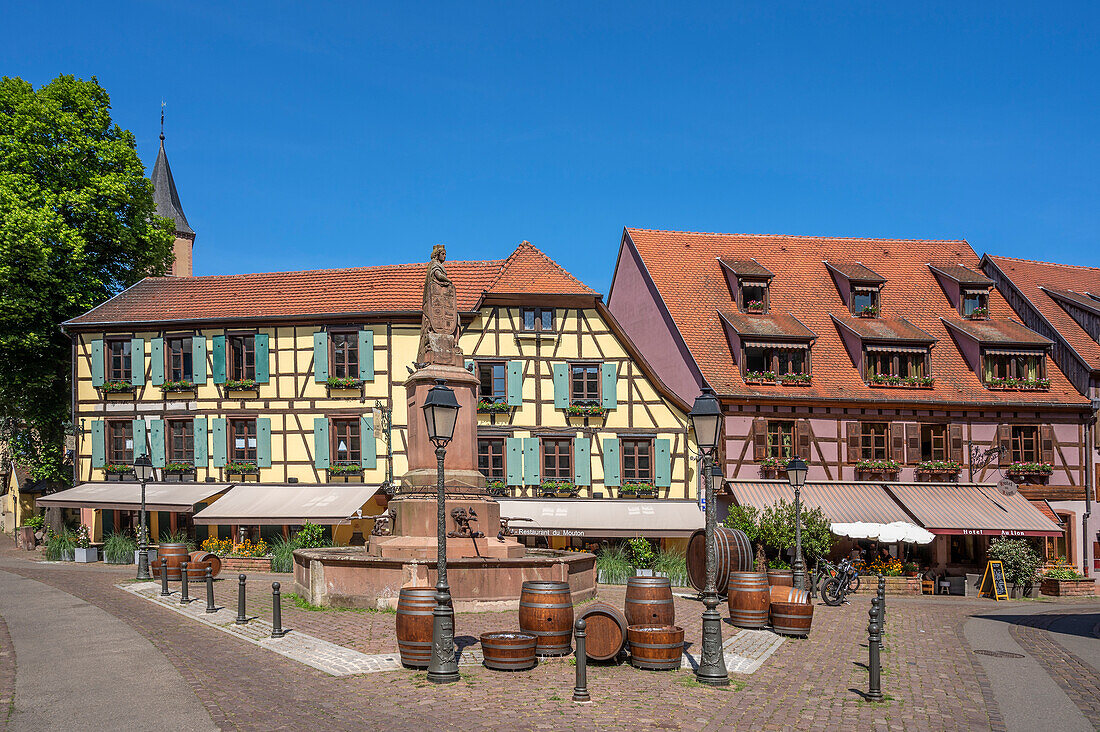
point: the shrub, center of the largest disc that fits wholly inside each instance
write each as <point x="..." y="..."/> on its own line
<point x="776" y="530"/>
<point x="249" y="549"/>
<point x="641" y="552"/>
<point x="310" y="536"/>
<point x="119" y="549"/>
<point x="1062" y="570"/>
<point x="221" y="547"/>
<point x="36" y="522"/>
<point x="83" y="539"/>
<point x="674" y="565"/>
<point x="1018" y="557"/>
<point x="59" y="547"/>
<point x="613" y="564"/>
<point x="177" y="537"/>
<point x="778" y="563"/>
<point x="282" y="554"/>
<point x="744" y="518"/>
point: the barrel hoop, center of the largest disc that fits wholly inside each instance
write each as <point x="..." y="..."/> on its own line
<point x="679" y="645"/>
<point x="545" y="606"/>
<point x="662" y="601"/>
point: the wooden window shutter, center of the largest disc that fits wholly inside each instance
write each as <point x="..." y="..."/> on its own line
<point x="263" y="360"/>
<point x="156" y="361"/>
<point x="609" y="378"/>
<point x="803" y="438"/>
<point x="759" y="438"/>
<point x="912" y="442"/>
<point x="514" y="464"/>
<point x="1046" y="444"/>
<point x="368" y="446"/>
<point x="531" y="457"/>
<point x="199" y="433"/>
<point x="139" y="437"/>
<point x="220" y="441"/>
<point x="98" y="363"/>
<point x="263" y="442"/>
<point x="218" y="358"/>
<point x="611" y="474"/>
<point x="955" y="443"/>
<point x="897" y="442"/>
<point x="99" y="442"/>
<point x="320" y="357"/>
<point x="514" y="394"/>
<point x="366" y="354"/>
<point x="561" y="385"/>
<point x="1004" y="443"/>
<point x="137" y="362"/>
<point x="320" y="442"/>
<point x="198" y="358"/>
<point x="855" y="441"/>
<point x="156" y="442"/>
<point x="662" y="463"/>
<point x="582" y="461"/>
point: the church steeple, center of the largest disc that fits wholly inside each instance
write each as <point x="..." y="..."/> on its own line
<point x="168" y="205"/>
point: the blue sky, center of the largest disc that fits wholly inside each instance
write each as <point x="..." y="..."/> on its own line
<point x="338" y="134"/>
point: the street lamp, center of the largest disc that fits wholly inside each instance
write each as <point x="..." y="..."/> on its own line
<point x="796" y="475"/>
<point x="440" y="415"/>
<point x="706" y="419"/>
<point x="143" y="471"/>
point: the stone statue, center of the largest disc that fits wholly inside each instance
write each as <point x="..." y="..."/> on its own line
<point x="439" y="324"/>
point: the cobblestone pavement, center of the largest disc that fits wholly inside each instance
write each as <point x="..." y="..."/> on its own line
<point x="1078" y="679"/>
<point x="929" y="674"/>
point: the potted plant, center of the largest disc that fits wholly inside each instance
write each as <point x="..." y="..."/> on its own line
<point x="1029" y="469"/>
<point x="343" y="382"/>
<point x="585" y="410"/>
<point x="943" y="469"/>
<point x="558" y="489"/>
<point x="638" y="490"/>
<point x="759" y="377"/>
<point x="878" y="467"/>
<point x="241" y="468"/>
<point x="1020" y="562"/>
<point x="116" y="387"/>
<point x="1004" y="383"/>
<point x="868" y="311"/>
<point x="138" y="534"/>
<point x="489" y="406"/>
<point x="60" y="547"/>
<point x="773" y="466"/>
<point x="754" y="306"/>
<point x="118" y="469"/>
<point x="795" y="379"/>
<point x="240" y="385"/>
<point x="910" y="569"/>
<point x="179" y="468"/>
<point x="1063" y="579"/>
<point x="177" y="386"/>
<point x="345" y="469"/>
<point x="641" y="556"/>
<point x="119" y="549"/>
<point x="497" y="488"/>
<point x="780" y="573"/>
<point x="84" y="552"/>
<point x="978" y="314"/>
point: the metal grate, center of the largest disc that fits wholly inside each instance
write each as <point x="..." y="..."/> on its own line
<point x="1001" y="654"/>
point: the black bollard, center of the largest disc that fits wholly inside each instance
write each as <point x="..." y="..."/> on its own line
<point x="276" y="612"/>
<point x="164" y="578"/>
<point x="184" y="597"/>
<point x="241" y="619"/>
<point x="210" y="591"/>
<point x="874" y="664"/>
<point x="815" y="577"/>
<point x="882" y="602"/>
<point x="580" y="691"/>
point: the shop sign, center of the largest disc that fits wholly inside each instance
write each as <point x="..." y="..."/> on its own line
<point x="993" y="532"/>
<point x="525" y="531"/>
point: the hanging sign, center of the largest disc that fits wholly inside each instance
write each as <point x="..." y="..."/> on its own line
<point x="993" y="581"/>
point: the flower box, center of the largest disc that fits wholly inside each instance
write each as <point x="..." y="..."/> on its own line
<point x="585" y="410"/>
<point x="902" y="382"/>
<point x="487" y="407"/>
<point x="637" y="490"/>
<point x="869" y="311"/>
<point x="978" y="314"/>
<point x="551" y="489"/>
<point x="1085" y="586"/>
<point x="118" y="469"/>
<point x="116" y="387"/>
<point x="944" y="470"/>
<point x="795" y="379"/>
<point x="350" y="469"/>
<point x="1030" y="469"/>
<point x="497" y="489"/>
<point x="241" y="385"/>
<point x="760" y="377"/>
<point x="86" y="555"/>
<point x="171" y="387"/>
<point x="242" y="469"/>
<point x="754" y="306"/>
<point x="997" y="384"/>
<point x="343" y="382"/>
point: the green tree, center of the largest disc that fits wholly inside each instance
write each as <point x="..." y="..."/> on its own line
<point x="77" y="225"/>
<point x="1018" y="558"/>
<point x="777" y="530"/>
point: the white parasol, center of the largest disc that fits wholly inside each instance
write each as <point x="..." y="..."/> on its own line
<point x="891" y="533"/>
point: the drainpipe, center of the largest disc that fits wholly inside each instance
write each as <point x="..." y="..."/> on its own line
<point x="1086" y="540"/>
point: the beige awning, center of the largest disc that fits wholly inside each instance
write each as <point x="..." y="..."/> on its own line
<point x="595" y="517"/>
<point x="296" y="503"/>
<point x="126" y="496"/>
<point x="842" y="502"/>
<point x="972" y="509"/>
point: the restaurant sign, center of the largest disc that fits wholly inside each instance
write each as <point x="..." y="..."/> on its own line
<point x="993" y="532"/>
<point x="536" y="531"/>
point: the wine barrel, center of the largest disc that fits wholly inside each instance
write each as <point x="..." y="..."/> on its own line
<point x="656" y="647"/>
<point x="780" y="593"/>
<point x="546" y="611"/>
<point x="649" y="601"/>
<point x="606" y="631"/>
<point x="508" y="651"/>
<point x="196" y="571"/>
<point x="214" y="560"/>
<point x="414" y="625"/>
<point x="173" y="555"/>
<point x="749" y="597"/>
<point x="792" y="618"/>
<point x="781" y="577"/>
<point x="732" y="550"/>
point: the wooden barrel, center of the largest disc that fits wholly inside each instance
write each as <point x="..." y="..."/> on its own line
<point x="214" y="560"/>
<point x="792" y="618"/>
<point x="414" y="625"/>
<point x="606" y="631"/>
<point x="781" y="577"/>
<point x="780" y="593"/>
<point x="196" y="571"/>
<point x="732" y="550"/>
<point x="649" y="601"/>
<point x="656" y="647"/>
<point x="173" y="554"/>
<point x="546" y="611"/>
<point x="749" y="597"/>
<point x="508" y="651"/>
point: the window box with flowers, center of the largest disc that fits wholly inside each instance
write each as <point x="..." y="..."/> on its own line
<point x="637" y="490"/>
<point x="878" y="467"/>
<point x="344" y="469"/>
<point x="1030" y="469"/>
<point x="754" y="306"/>
<point x="585" y="410"/>
<point x="760" y="377"/>
<point x="978" y="314"/>
<point x="774" y="467"/>
<point x="497" y="488"/>
<point x="116" y="387"/>
<point x="868" y="311"/>
<point x="484" y="406"/>
<point x="938" y="469"/>
<point x="558" y="489"/>
<point x="901" y="382"/>
<point x="240" y="468"/>
<point x="178" y="468"/>
<point x="997" y="383"/>
<point x="795" y="379"/>
<point x="118" y="469"/>
<point x="240" y="385"/>
<point x="174" y="387"/>
<point x="342" y="383"/>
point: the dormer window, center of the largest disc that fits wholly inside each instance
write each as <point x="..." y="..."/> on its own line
<point x="974" y="304"/>
<point x="754" y="296"/>
<point x="1014" y="369"/>
<point x="766" y="362"/>
<point x="895" y="366"/>
<point x="748" y="281"/>
<point x="865" y="301"/>
<point x="859" y="286"/>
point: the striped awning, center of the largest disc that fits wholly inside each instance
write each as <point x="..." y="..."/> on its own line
<point x="597" y="517"/>
<point x="842" y="502"/>
<point x="972" y="509"/>
<point x="776" y="344"/>
<point x="1013" y="352"/>
<point x="126" y="496"/>
<point x="890" y="348"/>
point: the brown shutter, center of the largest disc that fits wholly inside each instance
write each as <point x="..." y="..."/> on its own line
<point x="1046" y="444"/>
<point x="855" y="451"/>
<point x="955" y="442"/>
<point x="804" y="435"/>
<point x="1004" y="443"/>
<point x="912" y="438"/>
<point x="897" y="441"/>
<point x="759" y="438"/>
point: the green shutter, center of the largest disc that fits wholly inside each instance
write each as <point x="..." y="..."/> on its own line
<point x="469" y="366"/>
<point x="582" y="461"/>
<point x="366" y="354"/>
<point x="263" y="360"/>
<point x="515" y="383"/>
<point x="531" y="461"/>
<point x="198" y="358"/>
<point x="320" y="356"/>
<point x="137" y="361"/>
<point x="609" y="381"/>
<point x="99" y="442"/>
<point x="662" y="463"/>
<point x="139" y="438"/>
<point x="98" y="361"/>
<point x="320" y="442"/>
<point x="156" y="442"/>
<point x="220" y="441"/>
<point x="561" y="385"/>
<point x="263" y="442"/>
<point x="368" y="446"/>
<point x="514" y="460"/>
<point x="611" y="462"/>
<point x="219" y="359"/>
<point x="156" y="361"/>
<point x="200" y="442"/>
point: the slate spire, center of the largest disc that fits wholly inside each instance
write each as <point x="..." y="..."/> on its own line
<point x="165" y="197"/>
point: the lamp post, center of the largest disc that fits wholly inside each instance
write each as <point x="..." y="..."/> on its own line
<point x="143" y="471"/>
<point x="796" y="474"/>
<point x="440" y="414"/>
<point x="706" y="419"/>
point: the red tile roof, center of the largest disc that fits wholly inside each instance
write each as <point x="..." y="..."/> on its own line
<point x="772" y="325"/>
<point x="1031" y="277"/>
<point x="885" y="330"/>
<point x="528" y="270"/>
<point x="999" y="332"/>
<point x="685" y="269"/>
<point x="963" y="275"/>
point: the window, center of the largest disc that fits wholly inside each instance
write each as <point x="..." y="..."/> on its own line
<point x="557" y="459"/>
<point x="933" y="442"/>
<point x="637" y="457"/>
<point x="754" y="296"/>
<point x="1058" y="547"/>
<point x="584" y="383"/>
<point x="874" y="442"/>
<point x="345" y="355"/>
<point x="181" y="441"/>
<point x="120" y="442"/>
<point x="778" y="360"/>
<point x="538" y="319"/>
<point x="118" y="361"/>
<point x="896" y="363"/>
<point x="242" y="440"/>
<point x="491" y="380"/>
<point x="974" y="303"/>
<point x="1000" y="366"/>
<point x="490" y="457"/>
<point x="865" y="301"/>
<point x="345" y="442"/>
<point x="240" y="357"/>
<point x="1025" y="444"/>
<point x="179" y="359"/>
<point x="780" y="439"/>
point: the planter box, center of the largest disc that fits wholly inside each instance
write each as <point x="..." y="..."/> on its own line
<point x="938" y="476"/>
<point x="1069" y="588"/>
<point x="878" y="474"/>
<point x="152" y="554"/>
<point x="868" y="584"/>
<point x="246" y="564"/>
<point x="86" y="556"/>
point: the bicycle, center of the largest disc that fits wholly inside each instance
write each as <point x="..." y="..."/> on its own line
<point x="837" y="587"/>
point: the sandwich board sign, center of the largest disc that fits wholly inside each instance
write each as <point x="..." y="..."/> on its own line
<point x="993" y="581"/>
